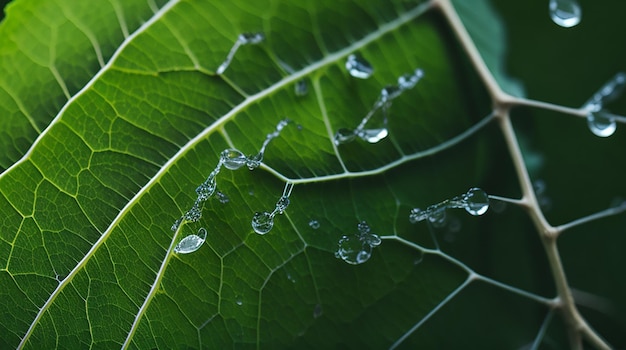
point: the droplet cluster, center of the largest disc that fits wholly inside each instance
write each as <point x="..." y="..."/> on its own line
<point x="383" y="103"/>
<point x="357" y="248"/>
<point x="475" y="202"/>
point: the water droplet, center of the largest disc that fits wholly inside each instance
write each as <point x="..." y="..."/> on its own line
<point x="222" y="197"/>
<point x="566" y="13"/>
<point x="314" y="224"/>
<point x="176" y="224"/>
<point x="358" y="67"/>
<point x="476" y="201"/>
<point x="408" y="81"/>
<point x="437" y="216"/>
<point x="206" y="189"/>
<point x="416" y="215"/>
<point x="601" y="124"/>
<point x="419" y="258"/>
<point x="242" y="39"/>
<point x="607" y="93"/>
<point x="254" y="162"/>
<point x="191" y="243"/>
<point x="344" y="135"/>
<point x="239" y="300"/>
<point x="262" y="222"/>
<point x="301" y="88"/>
<point x="357" y="249"/>
<point x="373" y="135"/>
<point x="291" y="278"/>
<point x="282" y="204"/>
<point x="195" y="213"/>
<point x="233" y="159"/>
<point x="251" y="38"/>
<point x="318" y="311"/>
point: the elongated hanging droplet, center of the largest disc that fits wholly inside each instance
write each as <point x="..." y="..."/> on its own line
<point x="233" y="159"/>
<point x="191" y="243"/>
<point x="242" y="39"/>
<point x="601" y="124"/>
<point x="358" y="67"/>
<point x="262" y="222"/>
<point x="373" y="135"/>
<point x="476" y="201"/>
<point x="565" y="13"/>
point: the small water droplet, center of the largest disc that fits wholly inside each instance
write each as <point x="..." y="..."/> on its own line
<point x="344" y="135"/>
<point x="191" y="243"/>
<point x="282" y="204"/>
<point x="262" y="222"/>
<point x="301" y="88"/>
<point x="176" y="224"/>
<point x="358" y="67"/>
<point x="476" y="201"/>
<point x="254" y="162"/>
<point x="565" y="13"/>
<point x="239" y="300"/>
<point x="314" y="224"/>
<point x="437" y="216"/>
<point x="416" y="215"/>
<point x="222" y="197"/>
<point x="408" y="81"/>
<point x="318" y="311"/>
<point x="291" y="278"/>
<point x="601" y="124"/>
<point x="363" y="227"/>
<point x="251" y="38"/>
<point x="233" y="159"/>
<point x="373" y="135"/>
<point x="195" y="213"/>
<point x="206" y="189"/>
<point x="419" y="258"/>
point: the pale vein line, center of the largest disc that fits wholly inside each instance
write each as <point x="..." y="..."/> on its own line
<point x="53" y="68"/>
<point x="432" y="312"/>
<point x="120" y="17"/>
<point x="542" y="330"/>
<point x="119" y="217"/>
<point x="322" y="105"/>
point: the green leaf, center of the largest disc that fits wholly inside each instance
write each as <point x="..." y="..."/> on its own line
<point x="114" y="116"/>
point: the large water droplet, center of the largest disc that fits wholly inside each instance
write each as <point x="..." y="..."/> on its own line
<point x="314" y="224"/>
<point x="262" y="222"/>
<point x="344" y="135"/>
<point x="566" y="13"/>
<point x="233" y="159"/>
<point x="476" y="201"/>
<point x="601" y="124"/>
<point x="358" y="67"/>
<point x="353" y="250"/>
<point x="191" y="243"/>
<point x="373" y="135"/>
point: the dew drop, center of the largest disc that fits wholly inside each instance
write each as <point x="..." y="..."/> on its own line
<point x="222" y="197"/>
<point x="239" y="300"/>
<point x="191" y="243"/>
<point x="344" y="135"/>
<point x="318" y="311"/>
<point x="314" y="224"/>
<point x="408" y="81"/>
<point x="476" y="201"/>
<point x="437" y="216"/>
<point x="357" y="249"/>
<point x="195" y="213"/>
<point x="282" y="204"/>
<point x="176" y="224"/>
<point x="419" y="258"/>
<point x="416" y="215"/>
<point x="254" y="162"/>
<point x="601" y="124"/>
<point x="565" y="13"/>
<point x="262" y="222"/>
<point x="373" y="135"/>
<point x="358" y="67"/>
<point x="251" y="38"/>
<point x="291" y="278"/>
<point x="233" y="159"/>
